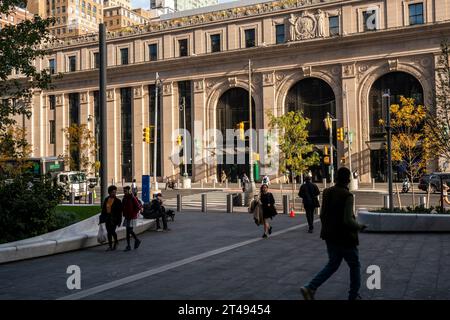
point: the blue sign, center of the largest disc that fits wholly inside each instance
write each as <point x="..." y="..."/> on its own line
<point x="146" y="188"/>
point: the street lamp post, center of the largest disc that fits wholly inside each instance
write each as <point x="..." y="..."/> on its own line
<point x="155" y="138"/>
<point x="183" y="108"/>
<point x="250" y="121"/>
<point x="103" y="113"/>
<point x="387" y="97"/>
<point x="329" y="125"/>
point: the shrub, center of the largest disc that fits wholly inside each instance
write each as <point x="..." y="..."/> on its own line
<point x="62" y="220"/>
<point x="27" y="207"/>
<point x="417" y="209"/>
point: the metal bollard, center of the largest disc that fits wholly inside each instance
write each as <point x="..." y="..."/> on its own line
<point x="422" y="201"/>
<point x="285" y="204"/>
<point x="324" y="181"/>
<point x="229" y="203"/>
<point x="204" y="202"/>
<point x="91" y="198"/>
<point x="373" y="184"/>
<point x="72" y="198"/>
<point x="179" y="202"/>
<point x="385" y="201"/>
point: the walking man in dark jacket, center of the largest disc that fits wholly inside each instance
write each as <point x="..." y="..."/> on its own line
<point x="340" y="231"/>
<point x="309" y="193"/>
<point x="112" y="216"/>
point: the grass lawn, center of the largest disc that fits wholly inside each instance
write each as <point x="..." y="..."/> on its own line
<point x="67" y="215"/>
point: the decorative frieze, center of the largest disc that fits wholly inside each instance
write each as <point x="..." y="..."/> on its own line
<point x="110" y="95"/>
<point x="393" y="64"/>
<point x="348" y="70"/>
<point x="306" y="71"/>
<point x="199" y="85"/>
<point x="167" y="88"/>
<point x="268" y="78"/>
<point x="137" y="92"/>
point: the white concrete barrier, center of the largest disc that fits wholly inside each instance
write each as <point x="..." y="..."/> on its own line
<point x="74" y="237"/>
<point x="404" y="222"/>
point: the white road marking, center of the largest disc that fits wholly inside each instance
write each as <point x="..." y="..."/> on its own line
<point x="120" y="282"/>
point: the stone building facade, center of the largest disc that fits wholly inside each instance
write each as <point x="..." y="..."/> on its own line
<point x="317" y="56"/>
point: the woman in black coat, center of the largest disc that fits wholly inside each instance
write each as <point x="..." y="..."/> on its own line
<point x="112" y="216"/>
<point x="268" y="206"/>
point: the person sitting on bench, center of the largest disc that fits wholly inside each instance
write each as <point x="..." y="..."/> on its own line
<point x="155" y="210"/>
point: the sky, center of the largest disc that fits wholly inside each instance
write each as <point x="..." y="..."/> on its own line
<point x="146" y="3"/>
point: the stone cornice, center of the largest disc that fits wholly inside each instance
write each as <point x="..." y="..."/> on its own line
<point x="200" y="20"/>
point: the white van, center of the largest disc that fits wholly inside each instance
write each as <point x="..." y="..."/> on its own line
<point x="73" y="181"/>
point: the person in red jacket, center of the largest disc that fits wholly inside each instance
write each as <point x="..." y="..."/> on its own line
<point x="131" y="208"/>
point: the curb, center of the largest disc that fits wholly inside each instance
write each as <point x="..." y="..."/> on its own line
<point x="46" y="247"/>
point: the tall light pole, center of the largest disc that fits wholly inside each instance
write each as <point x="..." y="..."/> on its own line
<point x="387" y="98"/>
<point x="155" y="139"/>
<point x="103" y="113"/>
<point x="250" y="121"/>
<point x="183" y="108"/>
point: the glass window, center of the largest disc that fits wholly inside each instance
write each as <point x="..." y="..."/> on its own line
<point x="249" y="38"/>
<point x="72" y="63"/>
<point x="370" y="20"/>
<point x="52" y="66"/>
<point x="153" y="51"/>
<point x="416" y="14"/>
<point x="96" y="60"/>
<point x="52" y="102"/>
<point x="52" y="131"/>
<point x="124" y="55"/>
<point x="215" y="42"/>
<point x="279" y="33"/>
<point x="183" y="46"/>
<point x="334" y="26"/>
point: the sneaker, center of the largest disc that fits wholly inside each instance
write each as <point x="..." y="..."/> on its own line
<point x="128" y="248"/>
<point x="357" y="297"/>
<point x="264" y="236"/>
<point x="270" y="230"/>
<point x="137" y="243"/>
<point x="166" y="230"/>
<point x="159" y="230"/>
<point x="310" y="231"/>
<point x="307" y="293"/>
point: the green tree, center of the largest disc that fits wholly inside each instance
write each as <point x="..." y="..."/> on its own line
<point x="20" y="46"/>
<point x="409" y="138"/>
<point x="297" y="154"/>
<point x="81" y="148"/>
<point x="438" y="116"/>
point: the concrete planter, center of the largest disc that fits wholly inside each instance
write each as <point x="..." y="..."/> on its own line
<point x="404" y="222"/>
<point x="77" y="236"/>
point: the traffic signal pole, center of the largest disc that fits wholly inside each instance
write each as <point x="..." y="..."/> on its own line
<point x="331" y="152"/>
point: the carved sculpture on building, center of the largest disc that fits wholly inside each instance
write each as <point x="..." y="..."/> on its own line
<point x="320" y="17"/>
<point x="306" y="26"/>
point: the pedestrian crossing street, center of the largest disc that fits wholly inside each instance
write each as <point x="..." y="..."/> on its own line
<point x="217" y="201"/>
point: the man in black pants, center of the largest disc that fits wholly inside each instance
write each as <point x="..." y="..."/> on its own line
<point x="309" y="192"/>
<point x="340" y="231"/>
<point x="155" y="210"/>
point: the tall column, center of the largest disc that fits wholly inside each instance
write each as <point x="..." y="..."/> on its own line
<point x="113" y="131"/>
<point x="169" y="121"/>
<point x="198" y="112"/>
<point x="139" y="121"/>
<point x="350" y="100"/>
<point x="61" y="122"/>
<point x="36" y="129"/>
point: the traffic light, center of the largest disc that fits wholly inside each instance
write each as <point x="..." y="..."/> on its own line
<point x="179" y="140"/>
<point x="326" y="160"/>
<point x="340" y="134"/>
<point x="241" y="131"/>
<point x="146" y="135"/>
<point x="325" y="150"/>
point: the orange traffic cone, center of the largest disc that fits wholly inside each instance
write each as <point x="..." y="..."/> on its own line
<point x="292" y="213"/>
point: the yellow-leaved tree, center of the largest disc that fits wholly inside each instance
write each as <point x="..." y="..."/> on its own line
<point x="81" y="149"/>
<point x="409" y="138"/>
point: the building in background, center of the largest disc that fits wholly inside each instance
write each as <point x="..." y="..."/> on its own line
<point x="117" y="3"/>
<point x="73" y="17"/>
<point x="180" y="5"/>
<point x="16" y="17"/>
<point x="317" y="57"/>
<point x="116" y="18"/>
